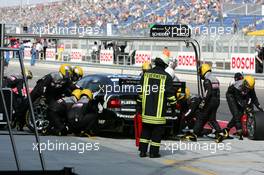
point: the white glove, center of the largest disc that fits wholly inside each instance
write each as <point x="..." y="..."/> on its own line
<point x="100" y="108"/>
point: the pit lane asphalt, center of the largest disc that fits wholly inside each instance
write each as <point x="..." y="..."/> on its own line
<point x="118" y="155"/>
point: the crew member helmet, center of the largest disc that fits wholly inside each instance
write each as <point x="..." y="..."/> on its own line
<point x="77" y="73"/>
<point x="181" y="95"/>
<point x="249" y="82"/>
<point x="65" y="70"/>
<point x="88" y="93"/>
<point x="77" y="93"/>
<point x="204" y="69"/>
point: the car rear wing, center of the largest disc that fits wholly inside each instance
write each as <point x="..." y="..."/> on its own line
<point x="130" y="81"/>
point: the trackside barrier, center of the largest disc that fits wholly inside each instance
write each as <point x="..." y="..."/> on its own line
<point x="51" y="54"/>
<point x="217" y="72"/>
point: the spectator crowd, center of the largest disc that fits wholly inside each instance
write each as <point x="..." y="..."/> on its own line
<point x="125" y="15"/>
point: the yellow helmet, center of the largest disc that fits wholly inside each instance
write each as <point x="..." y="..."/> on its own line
<point x="65" y="70"/>
<point x="77" y="73"/>
<point x="77" y="93"/>
<point x="28" y="74"/>
<point x="204" y="69"/>
<point x="185" y="96"/>
<point x="249" y="81"/>
<point x="88" y="93"/>
<point x="146" y="66"/>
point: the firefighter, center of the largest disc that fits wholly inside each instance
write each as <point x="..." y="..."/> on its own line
<point x="19" y="100"/>
<point x="157" y="90"/>
<point x="208" y="106"/>
<point x="83" y="115"/>
<point x="57" y="114"/>
<point x="77" y="73"/>
<point x="239" y="96"/>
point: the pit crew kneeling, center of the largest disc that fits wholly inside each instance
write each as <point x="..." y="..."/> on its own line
<point x="57" y="114"/>
<point x="83" y="115"/>
<point x="240" y="96"/>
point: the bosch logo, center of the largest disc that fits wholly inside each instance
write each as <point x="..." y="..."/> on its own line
<point x="242" y="63"/>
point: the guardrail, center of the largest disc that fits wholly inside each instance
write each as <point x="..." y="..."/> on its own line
<point x="219" y="73"/>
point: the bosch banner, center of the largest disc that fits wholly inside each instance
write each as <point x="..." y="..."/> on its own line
<point x="186" y="60"/>
<point x="141" y="57"/>
<point x="50" y="54"/>
<point x="106" y="57"/>
<point x="242" y="63"/>
<point x="76" y="55"/>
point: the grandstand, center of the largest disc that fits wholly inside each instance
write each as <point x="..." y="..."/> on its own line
<point x="133" y="17"/>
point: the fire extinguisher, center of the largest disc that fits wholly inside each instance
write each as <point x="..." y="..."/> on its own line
<point x="137" y="127"/>
<point x="244" y="119"/>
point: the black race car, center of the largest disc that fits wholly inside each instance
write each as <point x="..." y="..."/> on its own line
<point x="117" y="94"/>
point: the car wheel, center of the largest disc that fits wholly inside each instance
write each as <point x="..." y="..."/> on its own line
<point x="255" y="126"/>
<point x="40" y="112"/>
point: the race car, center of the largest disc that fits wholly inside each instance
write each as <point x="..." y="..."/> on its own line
<point x="117" y="94"/>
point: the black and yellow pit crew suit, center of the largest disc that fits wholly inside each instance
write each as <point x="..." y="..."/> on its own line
<point x="238" y="100"/>
<point x="210" y="104"/>
<point x="58" y="115"/>
<point x="189" y="111"/>
<point x="157" y="90"/>
<point x="83" y="117"/>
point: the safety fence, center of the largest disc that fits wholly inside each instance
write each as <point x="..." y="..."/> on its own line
<point x="238" y="62"/>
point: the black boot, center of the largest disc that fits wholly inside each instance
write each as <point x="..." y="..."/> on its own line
<point x="155" y="155"/>
<point x="219" y="138"/>
<point x="189" y="136"/>
<point x="142" y="154"/>
<point x="240" y="134"/>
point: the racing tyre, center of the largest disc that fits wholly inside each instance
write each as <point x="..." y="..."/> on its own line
<point x="40" y="111"/>
<point x="255" y="126"/>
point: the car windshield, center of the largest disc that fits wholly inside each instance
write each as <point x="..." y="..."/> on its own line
<point x="94" y="83"/>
